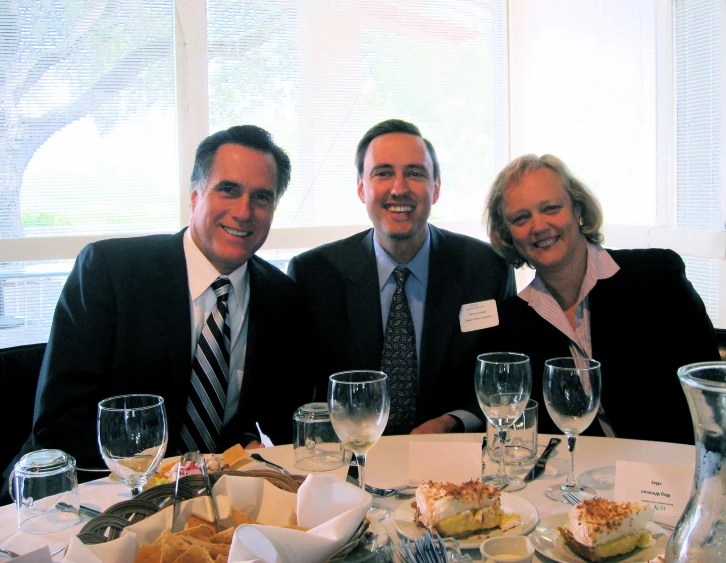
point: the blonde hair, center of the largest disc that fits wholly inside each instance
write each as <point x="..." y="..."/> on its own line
<point x="582" y="199"/>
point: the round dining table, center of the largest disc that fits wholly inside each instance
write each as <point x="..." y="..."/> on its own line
<point x="388" y="466"/>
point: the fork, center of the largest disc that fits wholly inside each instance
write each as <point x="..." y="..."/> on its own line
<point x="379" y="492"/>
<point x="258" y="457"/>
<point x="572" y="498"/>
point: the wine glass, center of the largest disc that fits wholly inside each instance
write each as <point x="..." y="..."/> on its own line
<point x="503" y="382"/>
<point x="359" y="402"/>
<point x="132" y="437"/>
<point x="572" y="396"/>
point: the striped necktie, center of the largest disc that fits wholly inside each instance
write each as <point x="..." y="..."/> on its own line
<point x="398" y="359"/>
<point x="210" y="374"/>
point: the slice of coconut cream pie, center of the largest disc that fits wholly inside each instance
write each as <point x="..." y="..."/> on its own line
<point x="459" y="510"/>
<point x="598" y="529"/>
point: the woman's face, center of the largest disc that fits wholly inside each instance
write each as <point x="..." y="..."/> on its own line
<point x="540" y="217"/>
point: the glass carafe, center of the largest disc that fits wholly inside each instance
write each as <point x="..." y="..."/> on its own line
<point x="700" y="535"/>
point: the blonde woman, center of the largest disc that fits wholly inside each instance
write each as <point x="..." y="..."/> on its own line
<point x="632" y="310"/>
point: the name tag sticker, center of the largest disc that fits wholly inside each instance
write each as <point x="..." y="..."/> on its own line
<point x="476" y="316"/>
<point x="666" y="487"/>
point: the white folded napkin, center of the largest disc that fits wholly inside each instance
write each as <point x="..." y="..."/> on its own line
<point x="330" y="507"/>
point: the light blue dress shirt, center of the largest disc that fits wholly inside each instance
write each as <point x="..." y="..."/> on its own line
<point x="415" y="286"/>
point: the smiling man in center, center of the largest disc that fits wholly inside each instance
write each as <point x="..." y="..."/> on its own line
<point x="399" y="297"/>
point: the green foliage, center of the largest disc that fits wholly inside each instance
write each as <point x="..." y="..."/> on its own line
<point x="44" y="220"/>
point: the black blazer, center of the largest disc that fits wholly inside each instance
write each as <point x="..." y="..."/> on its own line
<point x="340" y="281"/>
<point x="123" y="325"/>
<point x="646" y="321"/>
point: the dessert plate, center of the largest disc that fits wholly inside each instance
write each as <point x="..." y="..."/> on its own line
<point x="548" y="541"/>
<point x="403" y="521"/>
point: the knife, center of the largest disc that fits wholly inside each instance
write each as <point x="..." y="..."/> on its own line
<point x="539" y="466"/>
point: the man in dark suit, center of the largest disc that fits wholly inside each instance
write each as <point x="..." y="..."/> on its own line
<point x="132" y="311"/>
<point x="352" y="286"/>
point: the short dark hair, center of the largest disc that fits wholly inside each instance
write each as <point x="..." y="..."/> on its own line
<point x="249" y="136"/>
<point x="582" y="200"/>
<point x="392" y="126"/>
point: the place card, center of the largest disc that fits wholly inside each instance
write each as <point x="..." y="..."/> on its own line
<point x="451" y="462"/>
<point x="41" y="555"/>
<point x="666" y="487"/>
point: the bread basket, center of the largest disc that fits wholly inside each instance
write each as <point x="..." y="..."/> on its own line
<point x="112" y="521"/>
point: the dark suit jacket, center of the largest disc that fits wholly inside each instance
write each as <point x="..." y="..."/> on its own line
<point x="123" y="325"/>
<point x="340" y="281"/>
<point x="646" y="321"/>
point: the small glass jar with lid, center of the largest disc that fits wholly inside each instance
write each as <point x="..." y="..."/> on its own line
<point x="316" y="445"/>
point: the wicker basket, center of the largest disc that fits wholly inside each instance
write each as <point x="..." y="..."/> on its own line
<point x="108" y="526"/>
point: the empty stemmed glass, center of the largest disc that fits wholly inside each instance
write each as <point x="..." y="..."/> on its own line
<point x="503" y="382"/>
<point x="132" y="437"/>
<point x="572" y="397"/>
<point x="359" y="402"/>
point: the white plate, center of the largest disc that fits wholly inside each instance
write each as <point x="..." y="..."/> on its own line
<point x="403" y="521"/>
<point x="549" y="542"/>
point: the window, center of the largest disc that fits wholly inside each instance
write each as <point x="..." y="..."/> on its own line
<point x="106" y="105"/>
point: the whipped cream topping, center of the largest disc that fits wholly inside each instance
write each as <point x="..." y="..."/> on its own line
<point x="598" y="521"/>
<point x="438" y="501"/>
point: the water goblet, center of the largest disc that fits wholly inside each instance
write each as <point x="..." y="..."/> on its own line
<point x="572" y="397"/>
<point x="132" y="437"/>
<point x="359" y="402"/>
<point x="503" y="382"/>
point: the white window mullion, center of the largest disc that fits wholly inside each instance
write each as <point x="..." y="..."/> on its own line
<point x="192" y="92"/>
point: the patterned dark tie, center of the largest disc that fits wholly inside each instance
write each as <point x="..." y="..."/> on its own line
<point x="398" y="359"/>
<point x="210" y="374"/>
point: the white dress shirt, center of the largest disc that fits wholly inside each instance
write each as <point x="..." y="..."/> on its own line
<point x="201" y="275"/>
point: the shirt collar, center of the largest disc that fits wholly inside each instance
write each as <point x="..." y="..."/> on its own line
<point x="419" y="264"/>
<point x="202" y="274"/>
<point x="600" y="266"/>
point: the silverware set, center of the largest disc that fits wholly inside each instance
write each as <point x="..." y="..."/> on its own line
<point x="194" y="457"/>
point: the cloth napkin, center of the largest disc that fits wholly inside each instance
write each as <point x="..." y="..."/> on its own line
<point x="333" y="510"/>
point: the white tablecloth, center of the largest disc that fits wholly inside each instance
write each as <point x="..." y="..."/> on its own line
<point x="388" y="466"/>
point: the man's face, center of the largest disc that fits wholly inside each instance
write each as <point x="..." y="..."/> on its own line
<point x="398" y="188"/>
<point x="231" y="218"/>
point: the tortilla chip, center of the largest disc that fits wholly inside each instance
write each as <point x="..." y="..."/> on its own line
<point x="203" y="531"/>
<point x="221" y="559"/>
<point x="148" y="554"/>
<point x="224" y="536"/>
<point x="195" y="521"/>
<point x="195" y="554"/>
<point x="172" y="546"/>
<point x="239" y="518"/>
<point x="213" y="548"/>
<point x="294" y="527"/>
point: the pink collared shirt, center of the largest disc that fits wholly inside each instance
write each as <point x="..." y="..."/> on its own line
<point x="600" y="265"/>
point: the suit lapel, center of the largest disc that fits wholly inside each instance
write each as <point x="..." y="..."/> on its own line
<point x="363" y="302"/>
<point x="443" y="293"/>
<point x="174" y="323"/>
